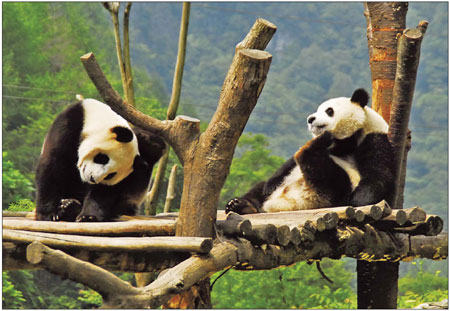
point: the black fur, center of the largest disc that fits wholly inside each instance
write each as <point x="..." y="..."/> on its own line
<point x="124" y="135"/>
<point x="361" y="97"/>
<point x="374" y="162"/>
<point x="62" y="195"/>
<point x="374" y="158"/>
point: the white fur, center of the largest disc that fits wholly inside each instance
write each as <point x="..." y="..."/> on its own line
<point x="96" y="137"/>
<point x="347" y="119"/>
<point x="348" y="164"/>
<point x="294" y="194"/>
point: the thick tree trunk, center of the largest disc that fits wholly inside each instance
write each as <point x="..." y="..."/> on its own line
<point x="385" y="20"/>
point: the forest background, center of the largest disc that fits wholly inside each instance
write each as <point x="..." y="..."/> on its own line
<point x="319" y="52"/>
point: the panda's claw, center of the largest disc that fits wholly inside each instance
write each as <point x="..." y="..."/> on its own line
<point x="235" y="205"/>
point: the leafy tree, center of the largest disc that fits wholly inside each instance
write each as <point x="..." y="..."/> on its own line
<point x="299" y="287"/>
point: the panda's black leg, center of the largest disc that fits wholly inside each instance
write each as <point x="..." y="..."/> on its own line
<point x="67" y="210"/>
<point x="250" y="203"/>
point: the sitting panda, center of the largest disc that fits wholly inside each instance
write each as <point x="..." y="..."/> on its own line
<point x="349" y="161"/>
<point x="93" y="166"/>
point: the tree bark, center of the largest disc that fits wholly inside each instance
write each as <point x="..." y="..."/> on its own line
<point x="408" y="57"/>
<point x="149" y="244"/>
<point x="179" y="133"/>
<point x="171" y="189"/>
<point x="385" y="21"/>
<point x="150" y="227"/>
<point x="105" y="283"/>
<point x="126" y="55"/>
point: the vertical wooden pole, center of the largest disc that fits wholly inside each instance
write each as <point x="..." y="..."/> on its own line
<point x="377" y="282"/>
<point x="385" y="21"/>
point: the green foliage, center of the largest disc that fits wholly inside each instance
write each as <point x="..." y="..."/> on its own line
<point x="11" y="297"/>
<point x="22" y="205"/>
<point x="90" y="298"/>
<point x="252" y="163"/>
<point x="15" y="185"/>
<point x="420" y="286"/>
<point x="299" y="286"/>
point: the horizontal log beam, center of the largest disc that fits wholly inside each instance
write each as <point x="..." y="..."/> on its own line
<point x="148" y="244"/>
<point x="150" y="227"/>
<point x="14" y="258"/>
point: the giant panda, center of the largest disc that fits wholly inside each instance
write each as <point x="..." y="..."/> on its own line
<point x="349" y="161"/>
<point x="93" y="166"/>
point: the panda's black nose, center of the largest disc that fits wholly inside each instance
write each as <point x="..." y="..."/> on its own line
<point x="311" y="119"/>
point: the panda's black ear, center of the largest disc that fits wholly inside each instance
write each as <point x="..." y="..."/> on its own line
<point x="124" y="135"/>
<point x="361" y="97"/>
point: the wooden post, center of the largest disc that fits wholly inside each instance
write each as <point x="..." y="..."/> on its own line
<point x="206" y="156"/>
<point x="385" y="21"/>
<point x="377" y="282"/>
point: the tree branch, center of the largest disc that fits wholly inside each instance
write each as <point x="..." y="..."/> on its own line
<point x="126" y="55"/>
<point x="179" y="133"/>
<point x="105" y="283"/>
<point x="408" y="57"/>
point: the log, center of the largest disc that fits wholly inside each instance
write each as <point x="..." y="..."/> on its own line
<point x="409" y="44"/>
<point x="259" y="35"/>
<point x="263" y="234"/>
<point x="296" y="237"/>
<point x="432" y="226"/>
<point x="14" y="258"/>
<point x="151" y="227"/>
<point x="235" y="227"/>
<point x="183" y="276"/>
<point x="105" y="283"/>
<point x="283" y="235"/>
<point x="148" y="244"/>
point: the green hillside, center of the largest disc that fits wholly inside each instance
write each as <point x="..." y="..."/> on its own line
<point x="319" y="52"/>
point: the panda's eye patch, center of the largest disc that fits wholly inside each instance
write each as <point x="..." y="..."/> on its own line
<point x="101" y="158"/>
<point x="329" y="112"/>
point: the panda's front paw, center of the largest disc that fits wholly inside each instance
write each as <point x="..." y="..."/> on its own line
<point x="87" y="218"/>
<point x="67" y="210"/>
<point x="240" y="206"/>
<point x="324" y="140"/>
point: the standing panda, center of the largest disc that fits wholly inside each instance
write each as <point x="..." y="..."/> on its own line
<point x="349" y="161"/>
<point x="93" y="166"/>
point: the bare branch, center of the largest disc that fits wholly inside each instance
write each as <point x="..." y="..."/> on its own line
<point x="126" y="55"/>
<point x="105" y="283"/>
<point x="178" y="133"/>
<point x="170" y="189"/>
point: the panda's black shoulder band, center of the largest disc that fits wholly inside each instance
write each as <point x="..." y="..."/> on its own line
<point x="361" y="97"/>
